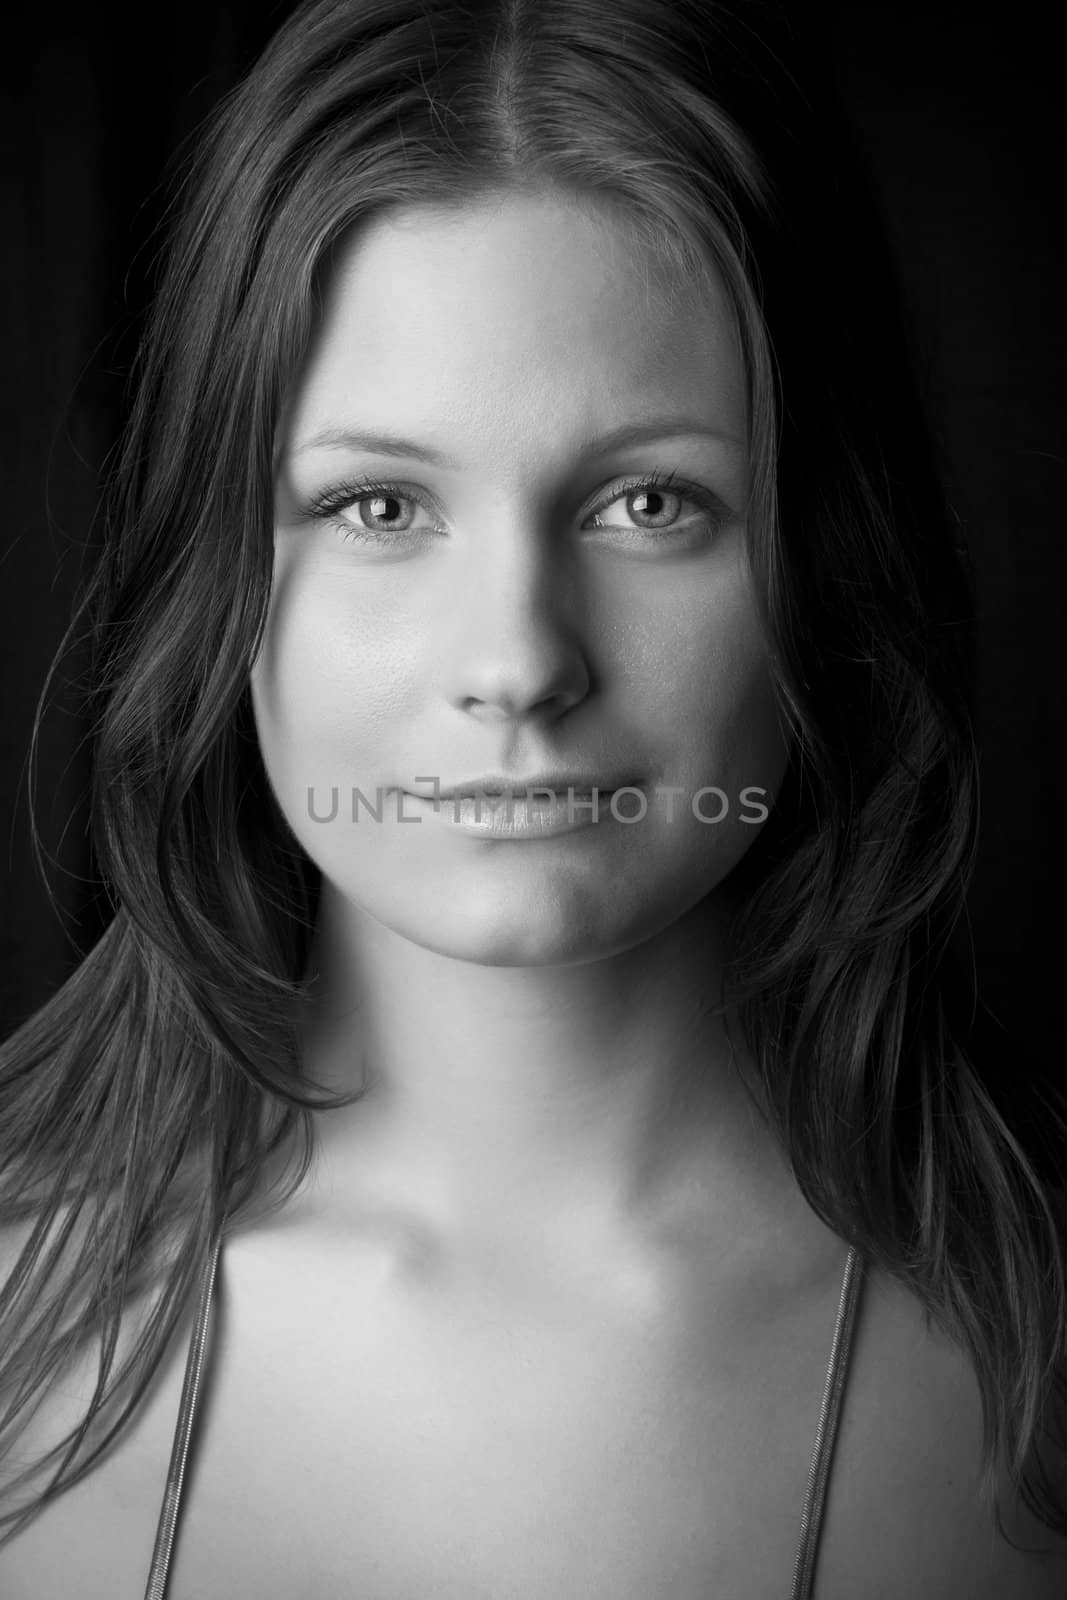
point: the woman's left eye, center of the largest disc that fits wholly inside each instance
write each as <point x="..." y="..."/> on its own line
<point x="654" y="503"/>
<point x="658" y="500"/>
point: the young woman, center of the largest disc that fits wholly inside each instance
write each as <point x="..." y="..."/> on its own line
<point x="583" y="1192"/>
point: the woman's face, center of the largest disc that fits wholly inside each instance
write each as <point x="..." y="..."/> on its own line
<point x="507" y="602"/>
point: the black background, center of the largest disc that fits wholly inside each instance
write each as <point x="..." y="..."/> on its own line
<point x="956" y="113"/>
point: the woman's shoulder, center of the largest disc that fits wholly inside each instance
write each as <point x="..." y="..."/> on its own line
<point x="121" y="1492"/>
<point x="905" y="1514"/>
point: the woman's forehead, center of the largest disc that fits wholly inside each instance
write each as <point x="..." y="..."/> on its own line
<point x="496" y="315"/>
<point x="519" y="245"/>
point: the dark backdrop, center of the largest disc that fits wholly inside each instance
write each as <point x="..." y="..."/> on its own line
<point x="959" y="124"/>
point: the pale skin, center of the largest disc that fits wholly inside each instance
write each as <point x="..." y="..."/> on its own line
<point x="536" y="1017"/>
<point x="550" y="1317"/>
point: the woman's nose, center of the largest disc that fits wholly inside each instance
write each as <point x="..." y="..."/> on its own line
<point x="514" y="643"/>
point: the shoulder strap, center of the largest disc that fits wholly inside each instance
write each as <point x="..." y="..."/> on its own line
<point x="168" y="1517"/>
<point x="819" y="1471"/>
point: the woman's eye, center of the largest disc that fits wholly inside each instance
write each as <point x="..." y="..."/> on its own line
<point x="379" y="511"/>
<point x="652" y="506"/>
<point x="370" y="513"/>
<point x="390" y="511"/>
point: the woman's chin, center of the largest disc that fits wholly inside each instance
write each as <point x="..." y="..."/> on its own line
<point x="543" y="927"/>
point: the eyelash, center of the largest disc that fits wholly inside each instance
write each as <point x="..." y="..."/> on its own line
<point x="326" y="505"/>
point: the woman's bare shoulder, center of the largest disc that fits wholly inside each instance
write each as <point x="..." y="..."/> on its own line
<point x="1036" y="1571"/>
<point x="905" y="1514"/>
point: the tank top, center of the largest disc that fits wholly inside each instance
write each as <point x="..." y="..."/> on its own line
<point x="818" y="1471"/>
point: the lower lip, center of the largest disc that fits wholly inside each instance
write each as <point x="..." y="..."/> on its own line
<point x="541" y="816"/>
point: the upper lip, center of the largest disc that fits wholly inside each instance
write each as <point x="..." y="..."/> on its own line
<point x="500" y="783"/>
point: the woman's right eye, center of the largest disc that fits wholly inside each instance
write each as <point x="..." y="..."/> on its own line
<point x="375" y="512"/>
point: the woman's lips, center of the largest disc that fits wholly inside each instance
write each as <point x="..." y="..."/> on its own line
<point x="542" y="813"/>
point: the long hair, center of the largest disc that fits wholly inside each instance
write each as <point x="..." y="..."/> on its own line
<point x="140" y="1105"/>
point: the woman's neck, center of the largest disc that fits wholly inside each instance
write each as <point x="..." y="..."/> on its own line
<point x="525" y="1098"/>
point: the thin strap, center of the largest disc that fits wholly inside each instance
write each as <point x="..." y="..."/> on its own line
<point x="819" y="1471"/>
<point x="168" y="1516"/>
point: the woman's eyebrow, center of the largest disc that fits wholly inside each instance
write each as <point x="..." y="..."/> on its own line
<point x="390" y="444"/>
